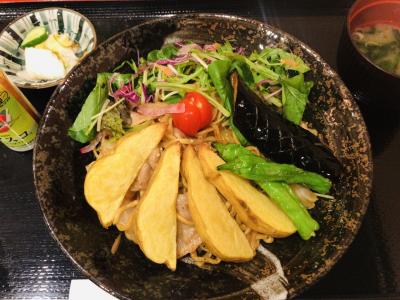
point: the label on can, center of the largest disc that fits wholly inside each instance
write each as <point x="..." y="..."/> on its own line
<point x="18" y="126"/>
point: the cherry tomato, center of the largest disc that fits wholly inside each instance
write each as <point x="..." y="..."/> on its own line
<point x="189" y="121"/>
<point x="197" y="115"/>
<point x="204" y="107"/>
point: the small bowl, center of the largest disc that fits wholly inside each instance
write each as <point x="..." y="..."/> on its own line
<point x="56" y="20"/>
<point x="369" y="83"/>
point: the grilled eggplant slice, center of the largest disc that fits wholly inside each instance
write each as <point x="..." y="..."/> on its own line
<point x="279" y="139"/>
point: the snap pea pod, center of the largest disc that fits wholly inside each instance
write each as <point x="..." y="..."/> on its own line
<point x="250" y="166"/>
<point x="286" y="199"/>
<point x="280" y="192"/>
<point x="230" y="152"/>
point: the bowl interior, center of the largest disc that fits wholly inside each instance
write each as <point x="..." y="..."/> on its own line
<point x="59" y="171"/>
<point x="367" y="13"/>
<point x="56" y="20"/>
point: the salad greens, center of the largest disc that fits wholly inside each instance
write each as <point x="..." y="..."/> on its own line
<point x="274" y="178"/>
<point x="167" y="74"/>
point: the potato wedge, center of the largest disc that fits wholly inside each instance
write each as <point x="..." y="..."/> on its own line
<point x="253" y="207"/>
<point x="156" y="214"/>
<point x="131" y="230"/>
<point x="109" y="178"/>
<point x="218" y="230"/>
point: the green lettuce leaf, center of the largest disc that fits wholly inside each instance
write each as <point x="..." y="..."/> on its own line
<point x="294" y="103"/>
<point x="80" y="131"/>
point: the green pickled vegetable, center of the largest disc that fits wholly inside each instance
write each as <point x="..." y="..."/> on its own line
<point x="34" y="37"/>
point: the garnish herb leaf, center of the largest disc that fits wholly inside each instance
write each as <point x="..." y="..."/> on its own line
<point x="298" y="83"/>
<point x="293" y="62"/>
<point x="131" y="63"/>
<point x="294" y="103"/>
<point x="173" y="99"/>
<point x="164" y="53"/>
<point x="121" y="80"/>
<point x="244" y="71"/>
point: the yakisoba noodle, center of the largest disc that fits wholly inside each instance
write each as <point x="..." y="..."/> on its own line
<point x="212" y="133"/>
<point x="154" y="92"/>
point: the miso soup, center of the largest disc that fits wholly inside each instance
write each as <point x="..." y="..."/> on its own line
<point x="381" y="44"/>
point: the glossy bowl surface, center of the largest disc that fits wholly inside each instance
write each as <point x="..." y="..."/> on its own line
<point x="56" y="20"/>
<point x="59" y="171"/>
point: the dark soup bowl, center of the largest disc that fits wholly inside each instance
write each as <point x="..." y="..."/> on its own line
<point x="282" y="269"/>
<point x="371" y="37"/>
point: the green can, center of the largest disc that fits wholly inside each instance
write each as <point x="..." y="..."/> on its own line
<point x="18" y="118"/>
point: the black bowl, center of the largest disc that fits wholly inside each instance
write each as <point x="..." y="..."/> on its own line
<point x="59" y="171"/>
<point x="369" y="83"/>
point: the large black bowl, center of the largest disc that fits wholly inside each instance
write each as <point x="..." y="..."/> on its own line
<point x="59" y="172"/>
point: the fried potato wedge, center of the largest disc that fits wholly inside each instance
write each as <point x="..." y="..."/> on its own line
<point x="131" y="230"/>
<point x="156" y="213"/>
<point x="218" y="230"/>
<point x="253" y="207"/>
<point x="109" y="178"/>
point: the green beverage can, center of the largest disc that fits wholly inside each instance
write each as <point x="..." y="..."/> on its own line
<point x="18" y="118"/>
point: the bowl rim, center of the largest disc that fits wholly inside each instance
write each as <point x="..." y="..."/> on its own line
<point x="351" y="14"/>
<point x="51" y="83"/>
<point x="348" y="237"/>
